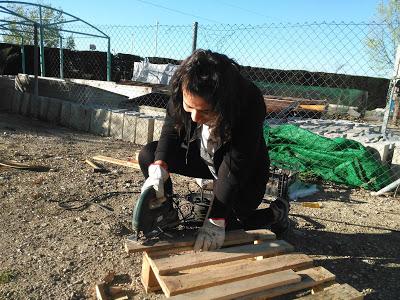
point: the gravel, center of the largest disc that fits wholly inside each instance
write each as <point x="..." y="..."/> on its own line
<point x="55" y="244"/>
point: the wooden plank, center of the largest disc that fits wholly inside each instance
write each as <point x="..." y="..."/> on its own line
<point x="222" y="274"/>
<point x="17" y="165"/>
<point x="131" y="164"/>
<point x="168" y="265"/>
<point x="236" y="289"/>
<point x="312" y="107"/>
<point x="235" y="237"/>
<point x="309" y="278"/>
<point x="100" y="291"/>
<point x="95" y="167"/>
<point x="338" y="292"/>
<point x="148" y="278"/>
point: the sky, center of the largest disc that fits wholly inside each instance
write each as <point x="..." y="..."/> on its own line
<point x="183" y="12"/>
<point x="274" y="33"/>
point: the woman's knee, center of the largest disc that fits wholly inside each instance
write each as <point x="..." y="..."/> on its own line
<point x="146" y="156"/>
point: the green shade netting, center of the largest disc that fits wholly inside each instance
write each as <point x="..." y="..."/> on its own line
<point x="339" y="160"/>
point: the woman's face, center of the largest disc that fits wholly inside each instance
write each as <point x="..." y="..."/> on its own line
<point x="200" y="111"/>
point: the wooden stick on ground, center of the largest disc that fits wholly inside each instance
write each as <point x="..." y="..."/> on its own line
<point x="96" y="167"/>
<point x="21" y="166"/>
<point x="131" y="164"/>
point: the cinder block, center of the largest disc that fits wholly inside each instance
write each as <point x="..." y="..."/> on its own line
<point x="100" y="121"/>
<point x="117" y="123"/>
<point x="54" y="110"/>
<point x="80" y="117"/>
<point x="144" y="130"/>
<point x="35" y="107"/>
<point x="384" y="151"/>
<point x="44" y="107"/>
<point x="16" y="102"/>
<point x="65" y="114"/>
<point x="6" y="98"/>
<point x="129" y="131"/>
<point x="25" y="104"/>
<point x="158" y="124"/>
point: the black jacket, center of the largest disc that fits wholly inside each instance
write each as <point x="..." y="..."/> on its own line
<point x="241" y="160"/>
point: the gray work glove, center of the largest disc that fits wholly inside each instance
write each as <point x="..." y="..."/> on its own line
<point x="157" y="176"/>
<point x="211" y="235"/>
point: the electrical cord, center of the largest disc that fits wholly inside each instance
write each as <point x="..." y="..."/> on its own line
<point x="80" y="205"/>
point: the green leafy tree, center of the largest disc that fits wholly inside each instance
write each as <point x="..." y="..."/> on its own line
<point x="49" y="16"/>
<point x="70" y="44"/>
<point x="384" y="38"/>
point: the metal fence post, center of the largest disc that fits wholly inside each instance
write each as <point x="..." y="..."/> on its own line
<point x="156" y="41"/>
<point x="391" y="92"/>
<point x="35" y="60"/>
<point x="108" y="59"/>
<point x="23" y="55"/>
<point x="42" y="66"/>
<point x="194" y="44"/>
<point x="61" y="58"/>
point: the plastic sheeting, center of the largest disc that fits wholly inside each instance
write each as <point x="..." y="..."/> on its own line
<point x="144" y="71"/>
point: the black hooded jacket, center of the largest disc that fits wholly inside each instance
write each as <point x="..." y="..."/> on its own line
<point x="240" y="161"/>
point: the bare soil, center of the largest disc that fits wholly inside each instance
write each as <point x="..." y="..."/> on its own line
<point x="56" y="243"/>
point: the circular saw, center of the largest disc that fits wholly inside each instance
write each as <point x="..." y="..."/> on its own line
<point x="152" y="215"/>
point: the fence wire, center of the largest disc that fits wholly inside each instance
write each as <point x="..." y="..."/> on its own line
<point x="329" y="78"/>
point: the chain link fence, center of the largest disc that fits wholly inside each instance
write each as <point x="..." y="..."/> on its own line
<point x="325" y="78"/>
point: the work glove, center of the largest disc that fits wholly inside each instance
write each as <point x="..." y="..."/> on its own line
<point x="157" y="176"/>
<point x="211" y="235"/>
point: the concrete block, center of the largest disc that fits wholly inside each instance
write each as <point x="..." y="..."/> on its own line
<point x="152" y="111"/>
<point x="16" y="102"/>
<point x="117" y="123"/>
<point x="144" y="130"/>
<point x="383" y="151"/>
<point x="65" y="114"/>
<point x="158" y="124"/>
<point x="80" y="117"/>
<point x="25" y="104"/>
<point x="396" y="154"/>
<point x="100" y="121"/>
<point x="44" y="107"/>
<point x="35" y="107"/>
<point x="6" y="98"/>
<point x="54" y="110"/>
<point x="129" y="131"/>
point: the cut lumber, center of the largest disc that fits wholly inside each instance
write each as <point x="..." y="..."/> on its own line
<point x="148" y="278"/>
<point x="309" y="278"/>
<point x="337" y="292"/>
<point x="125" y="163"/>
<point x="235" y="237"/>
<point x="236" y="289"/>
<point x="168" y="265"/>
<point x="219" y="274"/>
<point x="100" y="291"/>
<point x="96" y="168"/>
<point x="17" y="165"/>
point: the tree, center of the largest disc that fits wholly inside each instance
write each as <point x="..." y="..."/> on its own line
<point x="70" y="44"/>
<point x="385" y="37"/>
<point x="49" y="16"/>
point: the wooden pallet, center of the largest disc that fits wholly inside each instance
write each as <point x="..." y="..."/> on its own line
<point x="252" y="265"/>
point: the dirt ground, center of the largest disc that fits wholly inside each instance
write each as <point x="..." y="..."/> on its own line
<point x="55" y="245"/>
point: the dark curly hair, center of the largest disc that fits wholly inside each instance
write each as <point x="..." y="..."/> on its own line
<point x="217" y="79"/>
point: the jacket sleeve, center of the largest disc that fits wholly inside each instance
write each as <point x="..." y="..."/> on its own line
<point x="169" y="138"/>
<point x="241" y="159"/>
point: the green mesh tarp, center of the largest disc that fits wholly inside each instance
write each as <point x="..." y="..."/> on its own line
<point x="339" y="160"/>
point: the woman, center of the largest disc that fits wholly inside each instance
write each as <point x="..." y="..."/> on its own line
<point x="214" y="130"/>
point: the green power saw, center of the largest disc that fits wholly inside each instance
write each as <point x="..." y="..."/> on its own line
<point x="152" y="215"/>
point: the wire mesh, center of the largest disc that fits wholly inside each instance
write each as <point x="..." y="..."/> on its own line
<point x="328" y="78"/>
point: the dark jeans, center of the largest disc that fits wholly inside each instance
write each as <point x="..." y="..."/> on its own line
<point x="243" y="212"/>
